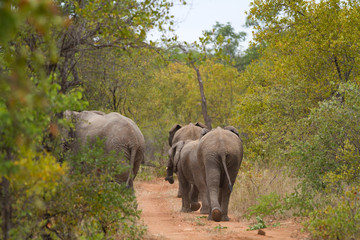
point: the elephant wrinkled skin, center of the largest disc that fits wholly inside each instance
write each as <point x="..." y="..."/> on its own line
<point x="120" y="134"/>
<point x="221" y="152"/>
<point x="191" y="175"/>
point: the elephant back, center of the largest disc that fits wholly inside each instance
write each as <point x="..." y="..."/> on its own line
<point x="220" y="141"/>
<point x="188" y="132"/>
<point x="120" y="132"/>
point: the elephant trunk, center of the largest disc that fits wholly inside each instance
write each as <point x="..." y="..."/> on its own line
<point x="174" y="157"/>
<point x="169" y="174"/>
<point x="223" y="159"/>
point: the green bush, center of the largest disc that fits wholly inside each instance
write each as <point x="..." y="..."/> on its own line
<point x="267" y="205"/>
<point x="324" y="134"/>
<point x="90" y="204"/>
<point x="260" y="225"/>
<point x="339" y="219"/>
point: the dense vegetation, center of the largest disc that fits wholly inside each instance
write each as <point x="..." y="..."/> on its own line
<point x="294" y="95"/>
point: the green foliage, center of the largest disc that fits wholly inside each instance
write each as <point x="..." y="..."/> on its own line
<point x="268" y="205"/>
<point x="260" y="225"/>
<point x="40" y="197"/>
<point x="329" y="137"/>
<point x="339" y="218"/>
<point x="227" y="39"/>
<point x="34" y="183"/>
<point x="219" y="227"/>
<point x="117" y="80"/>
<point x="105" y="208"/>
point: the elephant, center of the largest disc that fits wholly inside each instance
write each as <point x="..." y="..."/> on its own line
<point x="221" y="151"/>
<point x="182" y="133"/>
<point x="120" y="134"/>
<point x="191" y="175"/>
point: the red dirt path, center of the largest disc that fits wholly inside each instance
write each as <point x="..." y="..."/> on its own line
<point x="161" y="213"/>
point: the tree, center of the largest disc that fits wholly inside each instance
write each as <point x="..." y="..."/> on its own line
<point x="227" y="39"/>
<point x="195" y="58"/>
<point x="28" y="102"/>
<point x="112" y="75"/>
<point x="299" y="43"/>
<point x="41" y="42"/>
<point x="92" y="25"/>
<point x="316" y="38"/>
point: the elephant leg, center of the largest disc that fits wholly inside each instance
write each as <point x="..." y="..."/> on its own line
<point x="213" y="181"/>
<point x="169" y="172"/>
<point x="205" y="206"/>
<point x="225" y="197"/>
<point x="179" y="194"/>
<point x="195" y="205"/>
<point x="186" y="188"/>
<point x="199" y="179"/>
<point x="220" y="195"/>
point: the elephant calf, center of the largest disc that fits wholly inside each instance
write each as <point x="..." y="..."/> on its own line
<point x="221" y="152"/>
<point x="191" y="175"/>
<point x="182" y="133"/>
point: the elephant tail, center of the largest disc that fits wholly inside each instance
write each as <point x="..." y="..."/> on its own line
<point x="129" y="181"/>
<point x="223" y="159"/>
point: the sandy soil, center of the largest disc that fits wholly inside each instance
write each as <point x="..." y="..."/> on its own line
<point x="161" y="213"/>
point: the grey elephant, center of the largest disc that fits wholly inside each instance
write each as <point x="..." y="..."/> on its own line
<point x="120" y="134"/>
<point x="182" y="133"/>
<point x="221" y="151"/>
<point x="191" y="175"/>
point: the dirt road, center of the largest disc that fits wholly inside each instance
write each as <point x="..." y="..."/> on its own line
<point x="160" y="212"/>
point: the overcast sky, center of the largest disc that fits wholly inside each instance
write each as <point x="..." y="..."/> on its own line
<point x="200" y="15"/>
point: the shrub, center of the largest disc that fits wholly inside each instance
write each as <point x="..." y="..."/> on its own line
<point x="258" y="188"/>
<point x="324" y="134"/>
<point x="260" y="225"/>
<point x="267" y="205"/>
<point x="338" y="215"/>
<point x="339" y="218"/>
<point x="90" y="204"/>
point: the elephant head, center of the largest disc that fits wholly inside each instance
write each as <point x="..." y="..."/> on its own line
<point x="188" y="132"/>
<point x="174" y="156"/>
<point x="172" y="132"/>
<point x="233" y="130"/>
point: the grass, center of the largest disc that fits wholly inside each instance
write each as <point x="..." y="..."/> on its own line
<point x="253" y="182"/>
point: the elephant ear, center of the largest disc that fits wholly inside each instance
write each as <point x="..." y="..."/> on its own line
<point x="199" y="124"/>
<point x="204" y="131"/>
<point x="178" y="147"/>
<point x="232" y="129"/>
<point x="172" y="133"/>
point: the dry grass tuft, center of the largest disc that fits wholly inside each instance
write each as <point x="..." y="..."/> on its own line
<point x="255" y="181"/>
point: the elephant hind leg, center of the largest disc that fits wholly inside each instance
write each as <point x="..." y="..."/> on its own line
<point x="186" y="188"/>
<point x="195" y="205"/>
<point x="179" y="194"/>
<point x="216" y="214"/>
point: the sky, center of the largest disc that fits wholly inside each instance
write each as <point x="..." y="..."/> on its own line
<point x="199" y="15"/>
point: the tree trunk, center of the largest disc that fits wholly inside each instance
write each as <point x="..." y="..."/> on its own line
<point x="207" y="118"/>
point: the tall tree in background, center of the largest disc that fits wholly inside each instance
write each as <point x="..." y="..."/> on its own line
<point x="221" y="44"/>
<point x="112" y="75"/>
<point x="228" y="40"/>
<point x="98" y="24"/>
<point x="316" y="39"/>
<point x="28" y="102"/>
